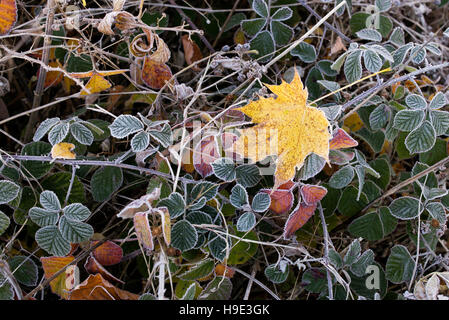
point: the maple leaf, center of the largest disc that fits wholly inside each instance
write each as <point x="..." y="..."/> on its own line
<point x="286" y="127"/>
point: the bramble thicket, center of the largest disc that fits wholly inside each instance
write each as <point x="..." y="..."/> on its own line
<point x="217" y="150"/>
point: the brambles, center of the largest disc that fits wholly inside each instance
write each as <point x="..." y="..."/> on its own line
<point x="209" y="152"/>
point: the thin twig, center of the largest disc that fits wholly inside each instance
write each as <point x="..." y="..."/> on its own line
<point x="190" y="22"/>
<point x="327" y="24"/>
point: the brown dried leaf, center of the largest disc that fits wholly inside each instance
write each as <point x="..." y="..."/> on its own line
<point x="95" y="287"/>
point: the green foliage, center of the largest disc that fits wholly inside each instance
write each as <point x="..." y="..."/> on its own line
<point x="215" y="219"/>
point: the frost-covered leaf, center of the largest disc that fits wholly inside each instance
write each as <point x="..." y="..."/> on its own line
<point x="184" y="235"/>
<point x="246" y="222"/>
<point x="304" y="51"/>
<point x="43" y="217"/>
<point x="140" y="141"/>
<point x="224" y="168"/>
<point x="44" y="127"/>
<point x="124" y="125"/>
<point x="408" y="120"/>
<point x="406" y="208"/>
<point x="58" y="133"/>
<point x="175" y="204"/>
<point x="51" y="240"/>
<point x="438" y="101"/>
<point x="49" y="200"/>
<point x="261" y="202"/>
<point x="4" y="222"/>
<point x="369" y="34"/>
<point x="81" y="133"/>
<point x="76" y="211"/>
<point x="239" y="196"/>
<point x="421" y="139"/>
<point x="399" y="267"/>
<point x="75" y="231"/>
<point x="342" y="177"/>
<point x="8" y="191"/>
<point x="353" y="66"/>
<point x="275" y="274"/>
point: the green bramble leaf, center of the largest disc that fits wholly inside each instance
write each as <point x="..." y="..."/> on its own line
<point x="406" y="208"/>
<point x="246" y="222"/>
<point x="124" y="125"/>
<point x="51" y="240"/>
<point x="8" y="191"/>
<point x="184" y="235"/>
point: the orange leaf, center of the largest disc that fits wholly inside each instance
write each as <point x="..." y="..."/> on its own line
<point x="298" y="218"/>
<point x="342" y="139"/>
<point x="93" y="266"/>
<point x="281" y="200"/>
<point x="95" y="287"/>
<point x="224" y="270"/>
<point x="63" y="150"/>
<point x="51" y="265"/>
<point x="108" y="253"/>
<point x="286" y="127"/>
<point x="52" y="78"/>
<point x="8" y="15"/>
<point x="192" y="52"/>
<point x="312" y="194"/>
<point x="155" y="74"/>
<point x="143" y="231"/>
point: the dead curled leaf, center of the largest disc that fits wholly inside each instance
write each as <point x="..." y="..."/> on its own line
<point x="139" y="210"/>
<point x="433" y="286"/>
<point x="95" y="287"/>
<point x="155" y="74"/>
<point x="286" y="127"/>
<point x="192" y="52"/>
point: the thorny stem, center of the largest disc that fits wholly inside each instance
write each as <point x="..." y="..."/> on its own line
<point x="326" y="250"/>
<point x="42" y="71"/>
<point x="91" y="163"/>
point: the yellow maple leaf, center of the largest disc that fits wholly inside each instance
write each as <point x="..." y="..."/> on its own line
<point x="286" y="127"/>
<point x="63" y="150"/>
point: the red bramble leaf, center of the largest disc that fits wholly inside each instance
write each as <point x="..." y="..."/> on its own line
<point x="312" y="194"/>
<point x="281" y="200"/>
<point x="108" y="253"/>
<point x="298" y="218"/>
<point x="341" y="140"/>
